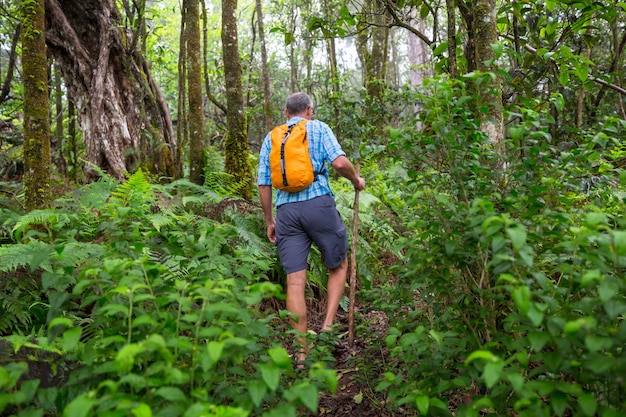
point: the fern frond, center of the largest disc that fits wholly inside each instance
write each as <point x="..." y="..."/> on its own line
<point x="74" y="253"/>
<point x="33" y="255"/>
<point x="95" y="195"/>
<point x="50" y="218"/>
<point x="136" y="193"/>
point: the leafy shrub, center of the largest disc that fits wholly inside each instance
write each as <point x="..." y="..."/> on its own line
<point x="161" y="316"/>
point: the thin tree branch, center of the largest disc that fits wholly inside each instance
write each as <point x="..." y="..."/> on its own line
<point x="600" y="81"/>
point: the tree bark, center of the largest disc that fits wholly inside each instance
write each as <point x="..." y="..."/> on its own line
<point x="237" y="149"/>
<point x="265" y="73"/>
<point x="123" y="115"/>
<point x="6" y="84"/>
<point x="486" y="35"/>
<point x="36" y="106"/>
<point x="194" y="85"/>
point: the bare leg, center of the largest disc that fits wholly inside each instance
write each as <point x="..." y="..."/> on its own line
<point x="336" y="287"/>
<point x="296" y="303"/>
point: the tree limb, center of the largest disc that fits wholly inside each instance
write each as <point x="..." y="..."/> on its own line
<point x="600" y="81"/>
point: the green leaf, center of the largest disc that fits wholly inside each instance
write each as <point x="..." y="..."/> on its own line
<point x="558" y="401"/>
<point x="215" y="350"/>
<point x="308" y="395"/>
<point x="257" y="390"/>
<point x="516" y="381"/>
<point x="492" y="373"/>
<point x="142" y="410"/>
<point x="171" y="394"/>
<point x="521" y="298"/>
<point x="538" y="340"/>
<point x="619" y="242"/>
<point x="271" y="376"/>
<point x="594" y="343"/>
<point x="79" y="407"/>
<point x="517" y="235"/>
<point x="481" y="354"/>
<point x="71" y="338"/>
<point x="280" y="357"/>
<point x="588" y="404"/>
<point x="423" y="403"/>
<point x="126" y="356"/>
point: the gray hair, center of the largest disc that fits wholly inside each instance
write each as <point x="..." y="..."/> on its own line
<point x="298" y="103"/>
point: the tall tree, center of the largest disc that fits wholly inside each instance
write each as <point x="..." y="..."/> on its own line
<point x="123" y="115"/>
<point x="194" y="89"/>
<point x="36" y="106"/>
<point x="486" y="36"/>
<point x="265" y="73"/>
<point x="237" y="149"/>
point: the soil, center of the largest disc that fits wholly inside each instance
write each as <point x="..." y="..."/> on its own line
<point x="355" y="396"/>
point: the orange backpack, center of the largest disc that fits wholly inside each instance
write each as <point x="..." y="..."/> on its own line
<point x="290" y="162"/>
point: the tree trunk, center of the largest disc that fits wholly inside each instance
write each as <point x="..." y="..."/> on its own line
<point x="452" y="65"/>
<point x="237" y="150"/>
<point x="194" y="86"/>
<point x="6" y="84"/>
<point x="123" y="115"/>
<point x="265" y="73"/>
<point x="57" y="143"/>
<point x="36" y="105"/>
<point x="486" y="35"/>
<point x="373" y="47"/>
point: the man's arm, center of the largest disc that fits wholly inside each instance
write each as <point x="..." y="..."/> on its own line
<point x="345" y="168"/>
<point x="265" y="195"/>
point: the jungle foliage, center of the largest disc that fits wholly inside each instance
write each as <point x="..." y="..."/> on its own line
<point x="500" y="270"/>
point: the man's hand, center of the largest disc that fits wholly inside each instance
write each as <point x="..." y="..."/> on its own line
<point x="271" y="232"/>
<point x="360" y="185"/>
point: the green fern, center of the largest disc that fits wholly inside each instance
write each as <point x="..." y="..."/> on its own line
<point x="37" y="220"/>
<point x="135" y="194"/>
<point x="33" y="255"/>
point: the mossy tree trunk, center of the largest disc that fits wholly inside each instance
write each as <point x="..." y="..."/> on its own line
<point x="124" y="118"/>
<point x="36" y="106"/>
<point x="194" y="89"/>
<point x="237" y="149"/>
<point x="265" y="73"/>
<point x="486" y="35"/>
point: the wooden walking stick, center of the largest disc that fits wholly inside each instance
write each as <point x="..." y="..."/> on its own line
<point x="355" y="232"/>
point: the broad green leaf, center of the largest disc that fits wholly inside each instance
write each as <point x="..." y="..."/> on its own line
<point x="594" y="343"/>
<point x="516" y="381"/>
<point x="423" y="403"/>
<point x="588" y="404"/>
<point x="558" y="401"/>
<point x="492" y="373"/>
<point x="171" y="394"/>
<point x="517" y="235"/>
<point x="308" y="395"/>
<point x="538" y="340"/>
<point x="619" y="242"/>
<point x="71" y="338"/>
<point x="215" y="350"/>
<point x="257" y="390"/>
<point x="521" y="298"/>
<point x="79" y="407"/>
<point x="126" y="356"/>
<point x="142" y="410"/>
<point x="271" y="376"/>
<point x="280" y="357"/>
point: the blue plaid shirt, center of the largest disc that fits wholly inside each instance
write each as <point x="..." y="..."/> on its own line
<point x="323" y="148"/>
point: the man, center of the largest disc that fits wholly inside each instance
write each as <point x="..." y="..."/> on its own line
<point x="308" y="216"/>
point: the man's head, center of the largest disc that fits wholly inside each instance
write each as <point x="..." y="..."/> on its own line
<point x="299" y="104"/>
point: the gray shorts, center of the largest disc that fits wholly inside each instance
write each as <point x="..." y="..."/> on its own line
<point x="299" y="224"/>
